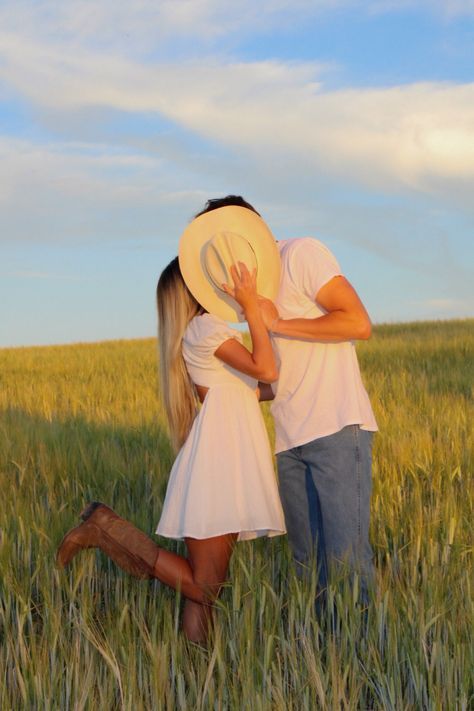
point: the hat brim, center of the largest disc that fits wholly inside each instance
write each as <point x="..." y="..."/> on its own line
<point x="192" y="246"/>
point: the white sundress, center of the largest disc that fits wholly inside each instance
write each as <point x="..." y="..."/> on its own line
<point x="222" y="480"/>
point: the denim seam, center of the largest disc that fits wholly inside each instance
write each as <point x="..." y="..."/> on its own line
<point x="358" y="474"/>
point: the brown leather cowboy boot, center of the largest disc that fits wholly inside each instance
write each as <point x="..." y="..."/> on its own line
<point x="126" y="545"/>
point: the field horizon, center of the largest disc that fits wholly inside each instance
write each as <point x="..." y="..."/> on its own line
<point x="84" y="421"/>
<point x="126" y="339"/>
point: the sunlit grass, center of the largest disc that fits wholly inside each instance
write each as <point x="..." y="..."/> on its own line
<point x="85" y="422"/>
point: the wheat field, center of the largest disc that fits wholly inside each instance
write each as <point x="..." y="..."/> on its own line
<point x="85" y="422"/>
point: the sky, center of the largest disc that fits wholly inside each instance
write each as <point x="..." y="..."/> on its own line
<point x="352" y="122"/>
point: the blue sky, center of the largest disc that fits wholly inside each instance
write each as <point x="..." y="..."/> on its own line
<point x="349" y="121"/>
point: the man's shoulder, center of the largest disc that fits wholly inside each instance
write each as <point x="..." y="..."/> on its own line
<point x="304" y="246"/>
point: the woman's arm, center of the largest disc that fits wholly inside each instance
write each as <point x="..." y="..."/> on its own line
<point x="260" y="363"/>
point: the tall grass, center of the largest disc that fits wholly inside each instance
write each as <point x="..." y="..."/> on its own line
<point x="85" y="422"/>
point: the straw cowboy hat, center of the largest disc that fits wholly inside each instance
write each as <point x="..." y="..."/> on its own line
<point x="213" y="242"/>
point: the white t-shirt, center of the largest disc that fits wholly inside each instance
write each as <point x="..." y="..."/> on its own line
<point x="319" y="390"/>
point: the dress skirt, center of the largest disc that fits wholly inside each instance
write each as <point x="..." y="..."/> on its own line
<point x="223" y="479"/>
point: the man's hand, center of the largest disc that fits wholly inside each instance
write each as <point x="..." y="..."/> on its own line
<point x="269" y="312"/>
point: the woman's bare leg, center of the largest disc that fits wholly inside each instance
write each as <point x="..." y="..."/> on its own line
<point x="199" y="578"/>
<point x="209" y="559"/>
<point x="197" y="621"/>
<point x="203" y="571"/>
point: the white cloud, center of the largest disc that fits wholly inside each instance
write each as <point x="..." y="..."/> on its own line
<point x="449" y="8"/>
<point x="87" y="172"/>
<point x="443" y="8"/>
<point x="273" y="118"/>
<point x="403" y="135"/>
<point x="142" y="26"/>
<point x="76" y="192"/>
<point x="65" y="57"/>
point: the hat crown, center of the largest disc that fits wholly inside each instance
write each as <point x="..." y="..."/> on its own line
<point x="215" y="240"/>
<point x="222" y="251"/>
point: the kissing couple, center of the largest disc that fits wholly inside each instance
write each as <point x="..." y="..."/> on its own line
<point x="303" y="316"/>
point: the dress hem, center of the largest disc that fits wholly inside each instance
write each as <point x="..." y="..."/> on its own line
<point x="243" y="535"/>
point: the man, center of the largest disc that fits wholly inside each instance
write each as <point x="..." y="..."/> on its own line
<point x="323" y="418"/>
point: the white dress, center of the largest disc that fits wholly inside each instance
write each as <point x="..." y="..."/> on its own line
<point x="222" y="480"/>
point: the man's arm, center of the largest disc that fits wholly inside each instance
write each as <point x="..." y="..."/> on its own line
<point x="346" y="318"/>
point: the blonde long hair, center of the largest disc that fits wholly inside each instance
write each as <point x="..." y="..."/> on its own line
<point x="176" y="307"/>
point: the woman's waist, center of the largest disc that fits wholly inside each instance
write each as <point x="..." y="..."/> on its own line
<point x="208" y="379"/>
<point x="227" y="385"/>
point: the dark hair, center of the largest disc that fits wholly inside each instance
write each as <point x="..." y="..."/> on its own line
<point x="216" y="203"/>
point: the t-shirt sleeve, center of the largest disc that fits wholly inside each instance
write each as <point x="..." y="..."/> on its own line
<point x="216" y="332"/>
<point x="313" y="265"/>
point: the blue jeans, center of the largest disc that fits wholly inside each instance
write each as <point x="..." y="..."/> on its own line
<point x="325" y="488"/>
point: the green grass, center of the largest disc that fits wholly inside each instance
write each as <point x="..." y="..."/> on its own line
<point x="85" y="422"/>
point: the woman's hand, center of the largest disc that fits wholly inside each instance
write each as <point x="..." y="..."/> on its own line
<point x="244" y="290"/>
<point x="260" y="363"/>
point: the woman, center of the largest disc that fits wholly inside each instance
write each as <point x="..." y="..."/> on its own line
<point x="222" y="486"/>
